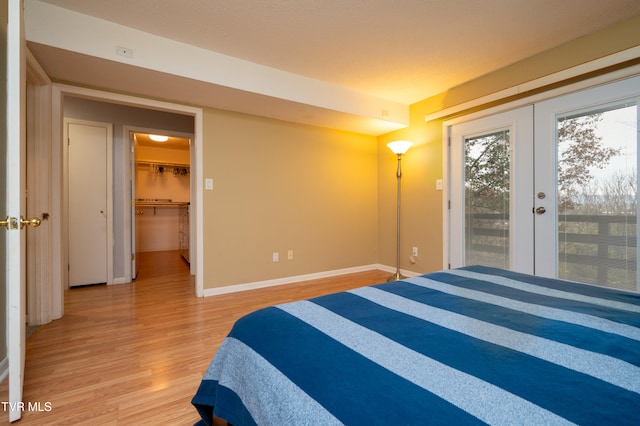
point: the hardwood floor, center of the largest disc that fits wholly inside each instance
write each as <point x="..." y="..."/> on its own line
<point x="134" y="354"/>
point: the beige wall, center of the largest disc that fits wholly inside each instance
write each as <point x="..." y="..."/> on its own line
<point x="330" y="196"/>
<point x="279" y="186"/>
<point x="422" y="165"/>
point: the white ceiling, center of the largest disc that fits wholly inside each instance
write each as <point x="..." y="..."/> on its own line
<point x="395" y="51"/>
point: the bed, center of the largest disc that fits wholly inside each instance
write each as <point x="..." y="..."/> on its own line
<point x="462" y="346"/>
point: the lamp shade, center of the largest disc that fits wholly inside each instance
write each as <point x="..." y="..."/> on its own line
<point x="399" y="147"/>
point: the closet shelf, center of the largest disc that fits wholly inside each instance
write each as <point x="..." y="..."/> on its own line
<point x="159" y="202"/>
<point x="154" y="203"/>
<point x="162" y="163"/>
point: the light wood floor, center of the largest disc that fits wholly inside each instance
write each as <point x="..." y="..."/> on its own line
<point x="134" y="354"/>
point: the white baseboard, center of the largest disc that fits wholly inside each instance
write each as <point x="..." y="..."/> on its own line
<point x="392" y="269"/>
<point x="4" y="369"/>
<point x="287" y="280"/>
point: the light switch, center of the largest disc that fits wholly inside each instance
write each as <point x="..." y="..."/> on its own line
<point x="208" y="184"/>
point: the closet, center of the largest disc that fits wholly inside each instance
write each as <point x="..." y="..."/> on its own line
<point x="162" y="194"/>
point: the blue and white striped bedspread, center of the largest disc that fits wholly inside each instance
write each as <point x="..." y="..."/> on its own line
<point x="463" y="346"/>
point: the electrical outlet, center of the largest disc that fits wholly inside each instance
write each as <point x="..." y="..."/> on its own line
<point x="290" y="255"/>
<point x="414" y="252"/>
<point x="275" y="256"/>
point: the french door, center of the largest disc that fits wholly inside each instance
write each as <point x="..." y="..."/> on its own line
<point x="551" y="188"/>
<point x="491" y="182"/>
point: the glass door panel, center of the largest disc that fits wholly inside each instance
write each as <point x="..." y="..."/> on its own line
<point x="486" y="185"/>
<point x="597" y="196"/>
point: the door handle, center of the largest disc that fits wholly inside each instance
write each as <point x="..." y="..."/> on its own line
<point x="34" y="222"/>
<point x="540" y="210"/>
<point x="14" y="223"/>
<point x="7" y="222"/>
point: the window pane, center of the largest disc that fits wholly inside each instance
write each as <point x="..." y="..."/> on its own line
<point x="487" y="162"/>
<point x="597" y="200"/>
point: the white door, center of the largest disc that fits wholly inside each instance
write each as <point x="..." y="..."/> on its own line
<point x="89" y="206"/>
<point x="574" y="194"/>
<point x="134" y="210"/>
<point x="586" y="180"/>
<point x="491" y="182"/>
<point x="14" y="142"/>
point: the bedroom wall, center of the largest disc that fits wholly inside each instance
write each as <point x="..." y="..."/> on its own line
<point x="422" y="205"/>
<point x="280" y="186"/>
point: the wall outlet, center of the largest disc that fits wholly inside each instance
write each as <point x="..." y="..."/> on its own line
<point x="275" y="256"/>
<point x="290" y="255"/>
<point x="414" y="252"/>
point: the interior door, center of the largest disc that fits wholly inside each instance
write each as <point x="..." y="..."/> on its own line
<point x="88" y="203"/>
<point x="490" y="200"/>
<point x="586" y="185"/>
<point x="134" y="210"/>
<point x="13" y="200"/>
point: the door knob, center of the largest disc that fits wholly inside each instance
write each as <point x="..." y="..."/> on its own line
<point x="14" y="223"/>
<point x="34" y="222"/>
<point x="540" y="210"/>
<point x="7" y="222"/>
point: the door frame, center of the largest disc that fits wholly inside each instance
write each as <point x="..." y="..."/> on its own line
<point x="129" y="188"/>
<point x="43" y="303"/>
<point x="62" y="90"/>
<point x="543" y="96"/>
<point x="109" y="196"/>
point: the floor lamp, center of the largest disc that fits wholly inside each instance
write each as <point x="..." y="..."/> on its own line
<point x="398" y="148"/>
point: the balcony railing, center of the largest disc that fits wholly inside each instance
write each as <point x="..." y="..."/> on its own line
<point x="600" y="249"/>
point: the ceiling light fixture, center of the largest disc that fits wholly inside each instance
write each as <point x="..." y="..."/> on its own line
<point x="159" y="138"/>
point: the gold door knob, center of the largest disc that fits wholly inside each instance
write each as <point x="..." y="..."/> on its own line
<point x="34" y="222"/>
<point x="540" y="210"/>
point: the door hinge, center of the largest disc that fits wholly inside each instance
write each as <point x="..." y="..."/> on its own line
<point x="449" y="204"/>
<point x="133" y="256"/>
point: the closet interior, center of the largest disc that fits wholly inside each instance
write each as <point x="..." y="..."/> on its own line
<point x="162" y="193"/>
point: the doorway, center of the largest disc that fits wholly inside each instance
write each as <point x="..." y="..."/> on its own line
<point x="61" y="91"/>
<point x="550" y="189"/>
<point x="161" y="185"/>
